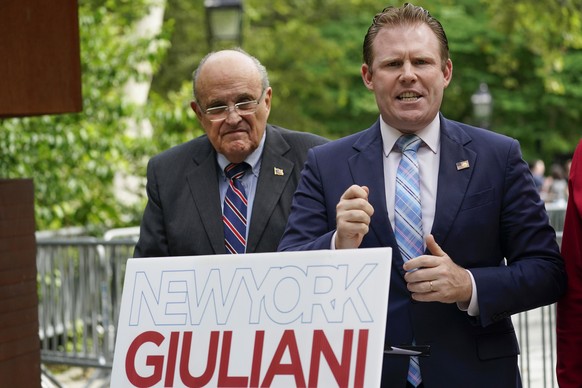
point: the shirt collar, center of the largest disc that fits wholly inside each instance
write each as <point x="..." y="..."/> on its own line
<point x="253" y="159"/>
<point x="430" y="135"/>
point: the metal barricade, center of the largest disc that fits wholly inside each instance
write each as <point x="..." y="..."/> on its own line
<point x="536" y="329"/>
<point x="556" y="214"/>
<point x="536" y="333"/>
<point x="79" y="288"/>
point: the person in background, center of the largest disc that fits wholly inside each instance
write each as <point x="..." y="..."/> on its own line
<point x="470" y="238"/>
<point x="567" y="167"/>
<point x="569" y="309"/>
<point x="538" y="169"/>
<point x="189" y="186"/>
<point x="558" y="185"/>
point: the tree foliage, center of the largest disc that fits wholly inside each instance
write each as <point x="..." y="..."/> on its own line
<point x="73" y="159"/>
<point x="527" y="51"/>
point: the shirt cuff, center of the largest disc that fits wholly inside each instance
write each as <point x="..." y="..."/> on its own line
<point x="472" y="308"/>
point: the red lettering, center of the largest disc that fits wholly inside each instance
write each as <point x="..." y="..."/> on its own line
<point x="187" y="378"/>
<point x="321" y="353"/>
<point x="156" y="361"/>
<point x="257" y="358"/>
<point x="321" y="346"/>
<point x="362" y="352"/>
<point x="224" y="380"/>
<point x="288" y="341"/>
<point x="171" y="364"/>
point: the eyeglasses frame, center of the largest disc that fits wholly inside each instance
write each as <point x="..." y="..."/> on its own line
<point x="226" y="109"/>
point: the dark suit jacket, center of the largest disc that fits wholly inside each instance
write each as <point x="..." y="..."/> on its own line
<point x="484" y="213"/>
<point x="569" y="319"/>
<point x="183" y="215"/>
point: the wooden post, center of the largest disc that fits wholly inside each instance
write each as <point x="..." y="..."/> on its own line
<point x="40" y="64"/>
<point x="40" y="70"/>
<point x="19" y="341"/>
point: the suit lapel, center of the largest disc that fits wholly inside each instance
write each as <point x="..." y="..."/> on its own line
<point x="270" y="185"/>
<point x="367" y="169"/>
<point x="456" y="167"/>
<point x="204" y="188"/>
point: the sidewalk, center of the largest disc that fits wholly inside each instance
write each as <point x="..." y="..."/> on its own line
<point x="77" y="377"/>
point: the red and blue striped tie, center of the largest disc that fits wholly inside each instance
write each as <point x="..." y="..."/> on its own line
<point x="234" y="213"/>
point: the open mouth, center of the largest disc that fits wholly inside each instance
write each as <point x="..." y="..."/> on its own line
<point x="408" y="96"/>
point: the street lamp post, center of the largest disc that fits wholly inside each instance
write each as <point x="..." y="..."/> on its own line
<point x="224" y="20"/>
<point x="482" y="105"/>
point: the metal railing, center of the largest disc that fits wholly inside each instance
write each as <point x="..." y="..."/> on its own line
<point x="536" y="333"/>
<point x="536" y="329"/>
<point x="80" y="282"/>
<point x="79" y="287"/>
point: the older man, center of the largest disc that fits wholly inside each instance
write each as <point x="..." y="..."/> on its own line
<point x="230" y="190"/>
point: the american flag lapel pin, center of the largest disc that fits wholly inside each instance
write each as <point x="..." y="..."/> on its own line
<point x="278" y="171"/>
<point x="462" y="165"/>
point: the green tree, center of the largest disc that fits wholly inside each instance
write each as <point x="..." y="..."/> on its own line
<point x="73" y="159"/>
<point x="527" y="51"/>
<point x="534" y="59"/>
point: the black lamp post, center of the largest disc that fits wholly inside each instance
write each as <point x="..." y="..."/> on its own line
<point x="482" y="106"/>
<point x="224" y="20"/>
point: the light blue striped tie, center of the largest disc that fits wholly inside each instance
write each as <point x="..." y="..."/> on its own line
<point x="408" y="217"/>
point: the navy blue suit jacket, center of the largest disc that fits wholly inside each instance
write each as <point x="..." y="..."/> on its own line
<point x="486" y="213"/>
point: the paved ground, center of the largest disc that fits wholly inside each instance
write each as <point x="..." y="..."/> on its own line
<point x="76" y="377"/>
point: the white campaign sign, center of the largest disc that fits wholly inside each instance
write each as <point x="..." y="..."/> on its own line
<point x="287" y="319"/>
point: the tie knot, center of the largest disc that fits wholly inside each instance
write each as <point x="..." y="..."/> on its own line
<point x="236" y="170"/>
<point x="408" y="143"/>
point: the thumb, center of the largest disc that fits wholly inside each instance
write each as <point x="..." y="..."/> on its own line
<point x="434" y="248"/>
<point x="367" y="190"/>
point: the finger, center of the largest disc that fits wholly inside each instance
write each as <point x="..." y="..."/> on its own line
<point x="355" y="191"/>
<point x="433" y="247"/>
<point x="412" y="265"/>
<point x="354" y="216"/>
<point x="355" y="198"/>
<point x="367" y="190"/>
<point x="430" y="287"/>
<point x="419" y="287"/>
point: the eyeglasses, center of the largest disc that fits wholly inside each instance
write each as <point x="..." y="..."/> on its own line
<point x="245" y="108"/>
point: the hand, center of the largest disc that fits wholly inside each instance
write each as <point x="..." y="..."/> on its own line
<point x="353" y="217"/>
<point x="437" y="278"/>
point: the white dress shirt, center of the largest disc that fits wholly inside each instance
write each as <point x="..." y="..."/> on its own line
<point x="428" y="160"/>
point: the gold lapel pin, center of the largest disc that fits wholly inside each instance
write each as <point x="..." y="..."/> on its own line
<point x="462" y="165"/>
<point x="278" y="171"/>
